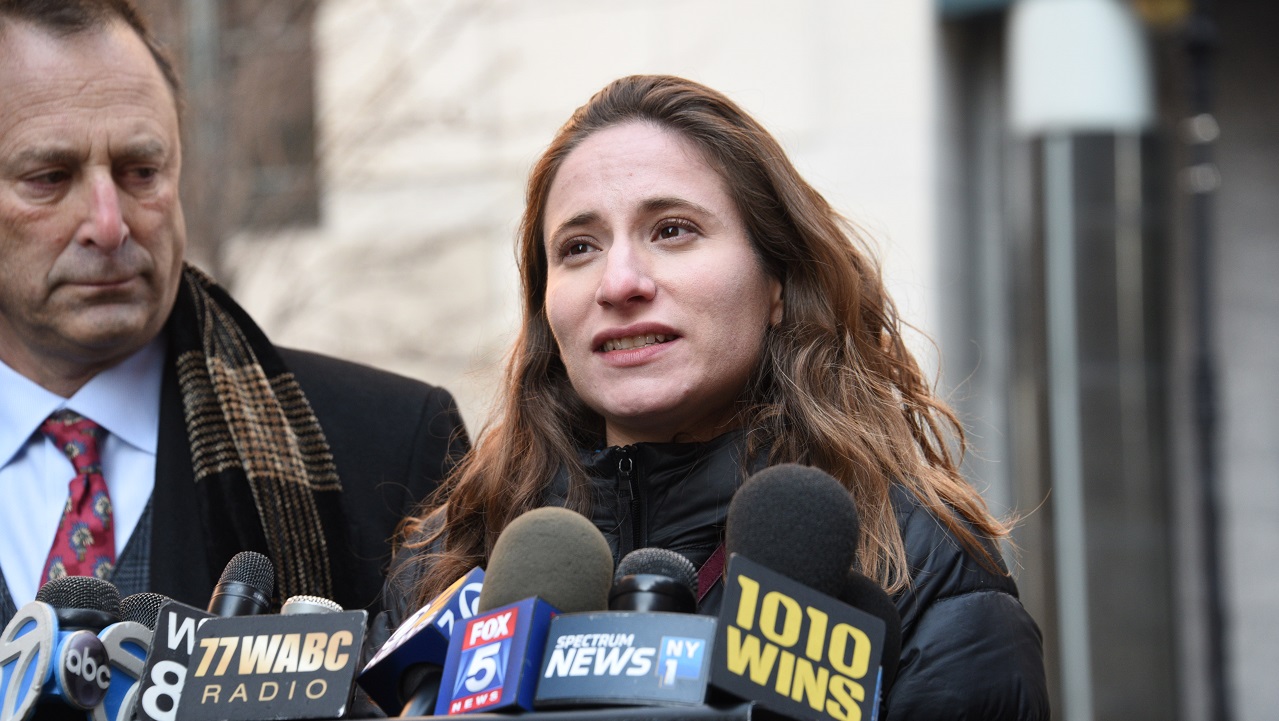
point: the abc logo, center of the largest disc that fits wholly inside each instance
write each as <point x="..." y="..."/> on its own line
<point x="84" y="673"/>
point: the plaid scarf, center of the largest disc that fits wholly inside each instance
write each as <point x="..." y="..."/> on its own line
<point x="264" y="473"/>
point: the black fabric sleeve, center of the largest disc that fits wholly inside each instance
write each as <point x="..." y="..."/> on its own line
<point x="975" y="656"/>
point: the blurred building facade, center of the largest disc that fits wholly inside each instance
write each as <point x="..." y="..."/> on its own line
<point x="355" y="173"/>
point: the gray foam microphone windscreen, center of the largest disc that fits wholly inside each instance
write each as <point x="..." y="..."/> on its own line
<point x="553" y="553"/>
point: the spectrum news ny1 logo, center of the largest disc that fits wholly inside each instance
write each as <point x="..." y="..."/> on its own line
<point x="618" y="657"/>
<point x="795" y="650"/>
<point x="255" y="667"/>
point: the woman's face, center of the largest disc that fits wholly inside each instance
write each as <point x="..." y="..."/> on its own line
<point x="654" y="293"/>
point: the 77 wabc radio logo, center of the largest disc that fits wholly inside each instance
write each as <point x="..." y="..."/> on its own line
<point x="486" y="649"/>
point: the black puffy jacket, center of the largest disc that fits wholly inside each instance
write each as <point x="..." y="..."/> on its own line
<point x="969" y="649"/>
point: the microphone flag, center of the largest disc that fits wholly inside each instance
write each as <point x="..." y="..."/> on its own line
<point x="127" y="644"/>
<point x="794" y="650"/>
<point x="272" y="666"/>
<point x="422" y="637"/>
<point x="26" y="659"/>
<point x="42" y="660"/>
<point x="165" y="673"/>
<point x="493" y="659"/>
<point x="626" y="658"/>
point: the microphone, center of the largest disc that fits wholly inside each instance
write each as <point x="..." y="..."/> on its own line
<point x="302" y="605"/>
<point x="404" y="675"/>
<point x="649" y="649"/>
<point x="143" y="608"/>
<point x="784" y="513"/>
<point x="128" y="643"/>
<point x="245" y="586"/>
<point x="785" y="639"/>
<point x="654" y="579"/>
<point x="243" y="589"/>
<point x="863" y="593"/>
<point x="552" y="553"/>
<point x="362" y="706"/>
<point x="50" y="651"/>
<point x="545" y="562"/>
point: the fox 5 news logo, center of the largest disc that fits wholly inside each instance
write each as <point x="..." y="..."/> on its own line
<point x="680" y="658"/>
<point x="486" y="649"/>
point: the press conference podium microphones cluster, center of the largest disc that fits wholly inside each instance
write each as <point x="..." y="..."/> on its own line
<point x="549" y="630"/>
<point x="79" y="651"/>
<point x="554" y="633"/>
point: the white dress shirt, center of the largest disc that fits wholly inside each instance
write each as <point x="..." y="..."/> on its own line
<point x="34" y="473"/>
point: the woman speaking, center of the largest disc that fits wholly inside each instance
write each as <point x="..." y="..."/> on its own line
<point x="694" y="311"/>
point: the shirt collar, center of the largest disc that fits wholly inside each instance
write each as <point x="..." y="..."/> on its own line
<point x="124" y="399"/>
<point x="25" y="407"/>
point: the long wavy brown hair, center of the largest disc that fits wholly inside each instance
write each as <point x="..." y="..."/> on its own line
<point x="836" y="387"/>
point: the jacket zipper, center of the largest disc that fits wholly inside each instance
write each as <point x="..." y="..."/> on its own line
<point x="626" y="472"/>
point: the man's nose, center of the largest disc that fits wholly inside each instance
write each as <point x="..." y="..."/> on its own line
<point x="627" y="277"/>
<point x="104" y="224"/>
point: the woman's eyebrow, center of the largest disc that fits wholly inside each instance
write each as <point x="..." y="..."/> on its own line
<point x="672" y="203"/>
<point x="577" y="221"/>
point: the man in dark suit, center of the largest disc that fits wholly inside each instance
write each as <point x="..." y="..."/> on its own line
<point x="186" y="435"/>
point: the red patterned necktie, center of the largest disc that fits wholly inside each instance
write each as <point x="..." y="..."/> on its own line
<point x="85" y="544"/>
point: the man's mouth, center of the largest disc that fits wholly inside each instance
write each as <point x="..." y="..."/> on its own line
<point x="638" y="341"/>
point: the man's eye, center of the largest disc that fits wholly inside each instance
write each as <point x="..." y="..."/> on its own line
<point x="53" y="177"/>
<point x="143" y="173"/>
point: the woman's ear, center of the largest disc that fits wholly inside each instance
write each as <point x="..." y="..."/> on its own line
<point x="778" y="305"/>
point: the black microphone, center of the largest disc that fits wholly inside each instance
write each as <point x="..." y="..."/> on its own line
<point x="865" y="594"/>
<point x="128" y="644"/>
<point x="649" y="649"/>
<point x="654" y="579"/>
<point x="82" y="602"/>
<point x="786" y="641"/>
<point x="545" y="562"/>
<point x="143" y="608"/>
<point x="245" y="586"/>
<point x="244" y="589"/>
<point x="798" y="521"/>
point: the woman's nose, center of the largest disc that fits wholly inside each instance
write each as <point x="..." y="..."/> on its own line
<point x="627" y="277"/>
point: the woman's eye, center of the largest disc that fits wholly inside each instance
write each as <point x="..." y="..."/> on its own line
<point x="672" y="229"/>
<point x="577" y="248"/>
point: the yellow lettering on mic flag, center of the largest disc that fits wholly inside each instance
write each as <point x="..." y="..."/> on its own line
<point x="793" y="649"/>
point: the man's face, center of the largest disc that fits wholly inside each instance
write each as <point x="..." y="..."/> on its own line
<point x="91" y="229"/>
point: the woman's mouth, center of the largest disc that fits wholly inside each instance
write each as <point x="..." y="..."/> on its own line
<point x="637" y="341"/>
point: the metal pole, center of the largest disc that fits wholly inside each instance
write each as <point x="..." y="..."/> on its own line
<point x="1070" y="532"/>
<point x="1200" y="180"/>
